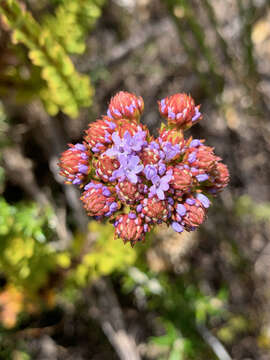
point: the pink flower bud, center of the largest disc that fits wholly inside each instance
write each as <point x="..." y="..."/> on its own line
<point x="97" y="201"/>
<point x="98" y="135"/>
<point x="176" y="137"/>
<point x="129" y="229"/>
<point x="105" y="166"/>
<point x="131" y="126"/>
<point x="155" y="209"/>
<point x="221" y="177"/>
<point x="74" y="164"/>
<point x="180" y="110"/>
<point x="125" y="105"/>
<point x="195" y="215"/>
<point x="182" y="180"/>
<point x="202" y="157"/>
<point x="129" y="193"/>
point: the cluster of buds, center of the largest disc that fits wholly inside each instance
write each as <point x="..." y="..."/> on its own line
<point x="138" y="181"/>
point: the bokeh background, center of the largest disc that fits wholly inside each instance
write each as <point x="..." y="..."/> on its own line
<point x="68" y="290"/>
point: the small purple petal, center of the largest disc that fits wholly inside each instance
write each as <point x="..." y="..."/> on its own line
<point x="204" y="200"/>
<point x="195" y="143"/>
<point x="160" y="194"/>
<point x="161" y="169"/>
<point x="132" y="215"/>
<point x="106" y="192"/>
<point x="111" y="124"/>
<point x="181" y="210"/>
<point x="197" y="115"/>
<point x="192" y="157"/>
<point x="84" y="156"/>
<point x="113" y="207"/>
<point x="109" y="114"/>
<point x="154" y="145"/>
<point x="190" y="201"/>
<point x="177" y="227"/>
<point x="150" y="171"/>
<point x="202" y="177"/>
<point x="171" y="114"/>
<point x="83" y="169"/>
<point x="80" y="147"/>
<point x="139" y="208"/>
<point x="117" y="112"/>
<point x="76" y="181"/>
<point x="132" y="177"/>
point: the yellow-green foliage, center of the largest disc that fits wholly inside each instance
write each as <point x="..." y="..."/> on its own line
<point x="236" y="326"/>
<point x="25" y="257"/>
<point x="107" y="256"/>
<point x="246" y="207"/>
<point x="73" y="18"/>
<point x="62" y="87"/>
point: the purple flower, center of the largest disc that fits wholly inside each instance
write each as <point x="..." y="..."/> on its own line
<point x="129" y="167"/>
<point x="160" y="184"/>
<point x="161" y="168"/>
<point x="150" y="171"/>
<point x="154" y="145"/>
<point x="119" y="146"/>
<point x="195" y="143"/>
<point x="204" y="200"/>
<point x="135" y="142"/>
<point x="170" y="150"/>
<point x="128" y="145"/>
<point x="177" y="227"/>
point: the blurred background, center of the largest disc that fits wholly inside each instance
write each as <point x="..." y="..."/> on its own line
<point x="67" y="289"/>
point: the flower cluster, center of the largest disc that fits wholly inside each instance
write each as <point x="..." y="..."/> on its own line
<point x="138" y="181"/>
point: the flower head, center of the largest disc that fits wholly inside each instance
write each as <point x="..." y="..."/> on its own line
<point x="129" y="168"/>
<point x="160" y="185"/>
<point x="151" y="180"/>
